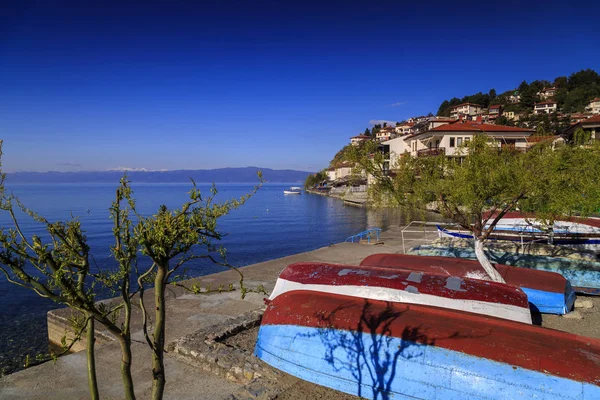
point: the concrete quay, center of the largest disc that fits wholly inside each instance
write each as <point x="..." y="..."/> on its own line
<point x="198" y="366"/>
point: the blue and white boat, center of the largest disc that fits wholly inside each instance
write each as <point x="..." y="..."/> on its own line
<point x="580" y="233"/>
<point x="385" y="350"/>
<point x="584" y="275"/>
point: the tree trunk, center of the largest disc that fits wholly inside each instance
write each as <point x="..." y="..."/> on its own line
<point x="126" y="367"/>
<point x="485" y="263"/>
<point x="91" y="358"/>
<point x="158" y="367"/>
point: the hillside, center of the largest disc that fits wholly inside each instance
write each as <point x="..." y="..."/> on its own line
<point x="572" y="95"/>
<point x="221" y="175"/>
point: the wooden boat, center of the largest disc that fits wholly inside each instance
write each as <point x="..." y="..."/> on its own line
<point x="414" y="287"/>
<point x="383" y="350"/>
<point x="547" y="292"/>
<point x="583" y="275"/>
<point x="574" y="232"/>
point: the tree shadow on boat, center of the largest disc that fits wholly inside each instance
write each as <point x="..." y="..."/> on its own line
<point x="375" y="350"/>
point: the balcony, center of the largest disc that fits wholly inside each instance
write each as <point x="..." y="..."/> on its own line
<point x="439" y="151"/>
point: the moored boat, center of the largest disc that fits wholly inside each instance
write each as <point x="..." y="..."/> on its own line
<point x="547" y="292"/>
<point x="584" y="275"/>
<point x="293" y="190"/>
<point x="414" y="287"/>
<point x="377" y="349"/>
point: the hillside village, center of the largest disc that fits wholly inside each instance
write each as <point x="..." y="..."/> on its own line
<point x="516" y="119"/>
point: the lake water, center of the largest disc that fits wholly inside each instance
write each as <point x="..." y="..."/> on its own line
<point x="270" y="225"/>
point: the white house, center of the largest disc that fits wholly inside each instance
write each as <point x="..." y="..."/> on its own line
<point x="515" y="97"/>
<point x="343" y="170"/>
<point x="594" y="106"/>
<point x="331" y="174"/>
<point x="465" y="109"/>
<point x="545" y="107"/>
<point x="546" y="93"/>
<point x="385" y="133"/>
<point x="447" y="139"/>
<point x="355" y="140"/>
<point x="404" y="129"/>
<point x="395" y="148"/>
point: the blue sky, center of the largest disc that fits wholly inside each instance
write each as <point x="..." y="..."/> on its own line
<point x="92" y="85"/>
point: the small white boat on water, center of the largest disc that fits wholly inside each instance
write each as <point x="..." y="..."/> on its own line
<point x="293" y="190"/>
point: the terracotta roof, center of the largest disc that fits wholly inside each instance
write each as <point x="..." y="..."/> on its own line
<point x="548" y="89"/>
<point x="361" y="137"/>
<point x="495" y="106"/>
<point x="547" y="102"/>
<point x="443" y="120"/>
<point x="475" y="127"/>
<point x="594" y="100"/>
<point x="592" y="120"/>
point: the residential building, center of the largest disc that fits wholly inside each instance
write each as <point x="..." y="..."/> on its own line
<point x="395" y="148"/>
<point x="385" y="133"/>
<point x="591" y="125"/>
<point x="447" y="139"/>
<point x="594" y="106"/>
<point x="417" y="119"/>
<point x="404" y="129"/>
<point x="547" y="93"/>
<point x="331" y="174"/>
<point x="511" y="115"/>
<point x="343" y="170"/>
<point x="545" y="107"/>
<point x="494" y="112"/>
<point x="355" y="140"/>
<point x="576" y="118"/>
<point x="514" y="98"/>
<point x="465" y="109"/>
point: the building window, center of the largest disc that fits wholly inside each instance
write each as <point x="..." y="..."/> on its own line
<point x="451" y="142"/>
<point x="459" y="141"/>
<point x="467" y="140"/>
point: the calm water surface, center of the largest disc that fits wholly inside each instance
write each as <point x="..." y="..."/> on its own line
<point x="270" y="225"/>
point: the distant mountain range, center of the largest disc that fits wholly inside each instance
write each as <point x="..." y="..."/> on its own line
<point x="220" y="175"/>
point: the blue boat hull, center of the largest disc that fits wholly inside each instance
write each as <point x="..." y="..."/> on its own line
<point x="375" y="366"/>
<point x="550" y="302"/>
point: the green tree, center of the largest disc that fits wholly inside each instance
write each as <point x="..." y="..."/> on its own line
<point x="560" y="82"/>
<point x="583" y="78"/>
<point x="528" y="95"/>
<point x="367" y="132"/>
<point x="492" y="94"/>
<point x="58" y="268"/>
<point x="172" y="238"/>
<point x="314" y="179"/>
<point x="476" y="189"/>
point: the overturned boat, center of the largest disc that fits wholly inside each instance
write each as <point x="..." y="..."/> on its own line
<point x="547" y="292"/>
<point x="414" y="287"/>
<point x="378" y="349"/>
<point x="584" y="275"/>
<point x="581" y="233"/>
